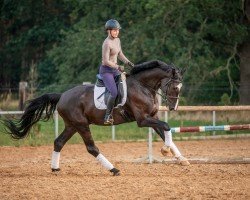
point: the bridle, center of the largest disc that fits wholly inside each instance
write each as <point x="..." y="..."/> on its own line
<point x="165" y="98"/>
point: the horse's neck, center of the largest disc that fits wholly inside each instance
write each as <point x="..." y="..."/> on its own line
<point x="151" y="78"/>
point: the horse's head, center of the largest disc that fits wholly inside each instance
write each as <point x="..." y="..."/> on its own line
<point x="171" y="87"/>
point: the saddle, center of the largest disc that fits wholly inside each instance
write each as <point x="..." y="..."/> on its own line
<point x="101" y="93"/>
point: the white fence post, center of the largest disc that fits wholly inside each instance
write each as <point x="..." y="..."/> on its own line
<point x="113" y="133"/>
<point x="166" y="116"/>
<point x="214" y="120"/>
<point x="150" y="146"/>
<point x="56" y="123"/>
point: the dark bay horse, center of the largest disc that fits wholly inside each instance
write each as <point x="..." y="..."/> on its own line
<point x="76" y="107"/>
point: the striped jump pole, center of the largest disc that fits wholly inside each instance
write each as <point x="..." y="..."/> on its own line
<point x="237" y="160"/>
<point x="210" y="128"/>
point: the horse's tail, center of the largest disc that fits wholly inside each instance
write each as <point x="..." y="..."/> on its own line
<point x="19" y="129"/>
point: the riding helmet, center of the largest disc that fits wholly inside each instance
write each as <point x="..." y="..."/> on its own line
<point x="112" y="24"/>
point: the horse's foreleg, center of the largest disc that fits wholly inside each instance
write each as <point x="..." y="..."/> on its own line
<point x="160" y="132"/>
<point x="152" y="122"/>
<point x="93" y="150"/>
<point x="163" y="129"/>
<point x="165" y="135"/>
<point x="169" y="147"/>
<point x="59" y="142"/>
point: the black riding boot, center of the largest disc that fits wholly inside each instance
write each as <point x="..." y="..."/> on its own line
<point x="108" y="119"/>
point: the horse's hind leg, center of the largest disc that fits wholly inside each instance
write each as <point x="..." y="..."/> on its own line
<point x="59" y="142"/>
<point x="93" y="150"/>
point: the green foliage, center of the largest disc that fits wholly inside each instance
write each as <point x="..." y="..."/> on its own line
<point x="29" y="29"/>
<point x="64" y="39"/>
<point x="225" y="100"/>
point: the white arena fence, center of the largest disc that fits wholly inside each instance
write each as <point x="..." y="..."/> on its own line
<point x="149" y="158"/>
<point x="213" y="110"/>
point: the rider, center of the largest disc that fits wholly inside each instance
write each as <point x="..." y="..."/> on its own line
<point x="111" y="49"/>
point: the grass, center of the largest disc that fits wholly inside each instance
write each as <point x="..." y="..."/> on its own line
<point x="43" y="133"/>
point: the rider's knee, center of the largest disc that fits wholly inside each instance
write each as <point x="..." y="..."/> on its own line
<point x="114" y="94"/>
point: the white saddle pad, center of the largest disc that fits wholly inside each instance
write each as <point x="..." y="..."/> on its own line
<point x="99" y="93"/>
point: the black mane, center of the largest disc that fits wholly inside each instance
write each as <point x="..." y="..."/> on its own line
<point x="149" y="65"/>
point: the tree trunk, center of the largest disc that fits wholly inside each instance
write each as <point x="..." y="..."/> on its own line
<point x="245" y="62"/>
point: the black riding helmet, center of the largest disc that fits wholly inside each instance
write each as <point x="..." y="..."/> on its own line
<point x="112" y="24"/>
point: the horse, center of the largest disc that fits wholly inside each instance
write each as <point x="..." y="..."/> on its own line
<point x="77" y="109"/>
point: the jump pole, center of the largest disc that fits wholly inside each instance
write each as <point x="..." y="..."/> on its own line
<point x="211" y="160"/>
<point x="210" y="128"/>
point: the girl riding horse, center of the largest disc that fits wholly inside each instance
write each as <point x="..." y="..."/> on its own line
<point x="111" y="49"/>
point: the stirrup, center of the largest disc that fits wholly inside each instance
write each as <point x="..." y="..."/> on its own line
<point x="109" y="120"/>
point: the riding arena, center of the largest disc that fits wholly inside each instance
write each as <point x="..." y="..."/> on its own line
<point x="219" y="169"/>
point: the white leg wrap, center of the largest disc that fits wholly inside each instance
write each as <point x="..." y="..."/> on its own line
<point x="168" y="138"/>
<point x="104" y="162"/>
<point x="55" y="160"/>
<point x="169" y="142"/>
<point x="176" y="151"/>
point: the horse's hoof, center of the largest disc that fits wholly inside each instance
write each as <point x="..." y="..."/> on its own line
<point x="166" y="151"/>
<point x="183" y="161"/>
<point x="55" y="170"/>
<point x="116" y="172"/>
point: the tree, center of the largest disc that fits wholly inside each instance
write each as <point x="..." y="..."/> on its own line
<point x="203" y="35"/>
<point x="64" y="40"/>
<point x="244" y="54"/>
<point x="28" y="29"/>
